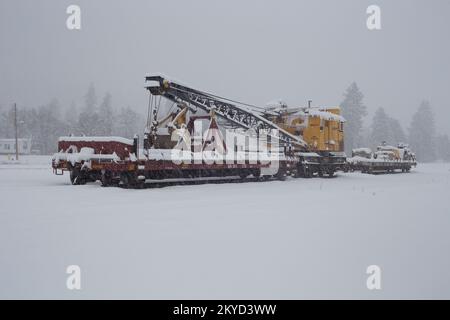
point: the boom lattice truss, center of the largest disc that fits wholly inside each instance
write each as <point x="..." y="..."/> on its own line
<point x="236" y="113"/>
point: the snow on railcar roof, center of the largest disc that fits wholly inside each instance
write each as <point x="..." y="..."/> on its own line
<point x="323" y="114"/>
<point x="97" y="139"/>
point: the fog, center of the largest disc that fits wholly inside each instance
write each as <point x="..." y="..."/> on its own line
<point x="254" y="51"/>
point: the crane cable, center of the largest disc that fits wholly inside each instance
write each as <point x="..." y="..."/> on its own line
<point x="210" y="95"/>
<point x="150" y="100"/>
<point x="231" y="100"/>
<point x="156" y="110"/>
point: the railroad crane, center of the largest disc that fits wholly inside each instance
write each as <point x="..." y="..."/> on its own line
<point x="234" y="112"/>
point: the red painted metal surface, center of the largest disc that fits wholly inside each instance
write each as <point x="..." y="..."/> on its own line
<point x="100" y="147"/>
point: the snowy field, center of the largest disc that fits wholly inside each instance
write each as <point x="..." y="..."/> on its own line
<point x="294" y="239"/>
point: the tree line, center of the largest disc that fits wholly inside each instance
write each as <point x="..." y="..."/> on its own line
<point x="46" y="123"/>
<point x="421" y="134"/>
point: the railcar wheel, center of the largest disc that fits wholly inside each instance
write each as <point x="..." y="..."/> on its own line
<point x="125" y="179"/>
<point x="307" y="172"/>
<point x="76" y="177"/>
<point x="140" y="185"/>
<point x="280" y="175"/>
<point x="73" y="176"/>
<point x="106" y="179"/>
<point x="243" y="174"/>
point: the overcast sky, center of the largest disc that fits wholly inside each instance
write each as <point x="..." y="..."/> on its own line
<point x="254" y="51"/>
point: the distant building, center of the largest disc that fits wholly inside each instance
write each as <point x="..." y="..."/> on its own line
<point x="8" y="146"/>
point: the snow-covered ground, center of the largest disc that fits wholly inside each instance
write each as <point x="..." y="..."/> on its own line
<point x="294" y="239"/>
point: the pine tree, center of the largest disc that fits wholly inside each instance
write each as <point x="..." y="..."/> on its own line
<point x="380" y="130"/>
<point x="48" y="127"/>
<point x="353" y="110"/>
<point x="443" y="147"/>
<point x="129" y="123"/>
<point x="90" y="98"/>
<point x="71" y="119"/>
<point x="106" y="117"/>
<point x="422" y="133"/>
<point x="2" y="123"/>
<point x="385" y="129"/>
<point x="396" y="133"/>
<point x="7" y="123"/>
<point x="88" y="118"/>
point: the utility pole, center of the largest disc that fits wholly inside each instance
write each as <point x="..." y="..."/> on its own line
<point x="15" y="129"/>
